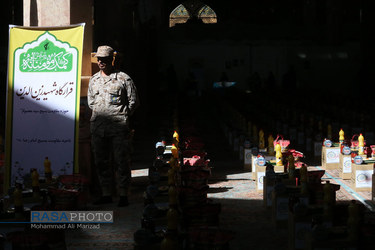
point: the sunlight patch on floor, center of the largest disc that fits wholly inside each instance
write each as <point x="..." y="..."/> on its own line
<point x="140" y="172"/>
<point x="236" y="186"/>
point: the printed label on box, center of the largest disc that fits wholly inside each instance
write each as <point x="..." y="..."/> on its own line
<point x="253" y="162"/>
<point x="363" y="178"/>
<point x="332" y="155"/>
<point x="260" y="179"/>
<point x="347" y="165"/>
<point x="248" y="155"/>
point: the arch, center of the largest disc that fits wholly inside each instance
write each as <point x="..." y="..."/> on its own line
<point x="179" y="15"/>
<point x="192" y="9"/>
<point x="207" y="15"/>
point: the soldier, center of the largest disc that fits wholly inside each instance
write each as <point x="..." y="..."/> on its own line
<point x="112" y="97"/>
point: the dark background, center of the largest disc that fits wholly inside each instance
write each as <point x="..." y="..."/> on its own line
<point x="327" y="43"/>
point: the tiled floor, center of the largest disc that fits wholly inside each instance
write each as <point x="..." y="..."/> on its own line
<point x="242" y="210"/>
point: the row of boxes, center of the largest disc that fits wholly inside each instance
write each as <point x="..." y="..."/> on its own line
<point x="258" y="171"/>
<point x="299" y="221"/>
<point x="359" y="174"/>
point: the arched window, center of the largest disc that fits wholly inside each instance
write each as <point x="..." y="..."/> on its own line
<point x="192" y="9"/>
<point x="179" y="15"/>
<point x="207" y="15"/>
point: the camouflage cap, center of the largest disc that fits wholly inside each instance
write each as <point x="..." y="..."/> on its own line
<point x="104" y="51"/>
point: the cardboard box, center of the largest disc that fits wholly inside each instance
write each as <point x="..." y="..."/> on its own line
<point x="373" y="189"/>
<point x="362" y="177"/>
<point x="254" y="164"/>
<point x="268" y="185"/>
<point x="260" y="176"/>
<point x="345" y="167"/>
<point x="280" y="209"/>
<point x="330" y="158"/>
<point x="280" y="206"/>
<point x="247" y="158"/>
<point x="279" y="169"/>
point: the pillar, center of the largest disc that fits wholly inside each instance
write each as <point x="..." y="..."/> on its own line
<point x="46" y="13"/>
<point x="64" y="12"/>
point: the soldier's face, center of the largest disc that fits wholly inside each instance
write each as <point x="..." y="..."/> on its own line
<point x="104" y="63"/>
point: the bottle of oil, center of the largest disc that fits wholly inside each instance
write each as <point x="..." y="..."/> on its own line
<point x="176" y="138"/>
<point x="171" y="176"/>
<point x="291" y="167"/>
<point x="169" y="242"/>
<point x="174" y="151"/>
<point x="279" y="155"/>
<point x="35" y="183"/>
<point x="172" y="195"/>
<point x="361" y="144"/>
<point x="341" y="136"/>
<point x="304" y="179"/>
<point x="261" y="139"/>
<point x="172" y="218"/>
<point x="271" y="149"/>
<point x="18" y="201"/>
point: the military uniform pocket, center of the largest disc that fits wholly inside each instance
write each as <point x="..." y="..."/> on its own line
<point x="114" y="98"/>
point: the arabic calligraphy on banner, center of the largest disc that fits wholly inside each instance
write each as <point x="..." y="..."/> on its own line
<point x="52" y="58"/>
<point x="43" y="104"/>
<point x="65" y="90"/>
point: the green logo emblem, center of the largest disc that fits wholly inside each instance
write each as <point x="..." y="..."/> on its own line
<point x="46" y="57"/>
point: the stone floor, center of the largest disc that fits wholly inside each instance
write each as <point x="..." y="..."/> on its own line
<point x="242" y="212"/>
<point x="242" y="209"/>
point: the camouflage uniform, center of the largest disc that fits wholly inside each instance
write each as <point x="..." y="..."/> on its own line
<point x="112" y="100"/>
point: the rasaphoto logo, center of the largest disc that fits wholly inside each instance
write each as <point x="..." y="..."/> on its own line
<point x="71" y="217"/>
<point x="46" y="58"/>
